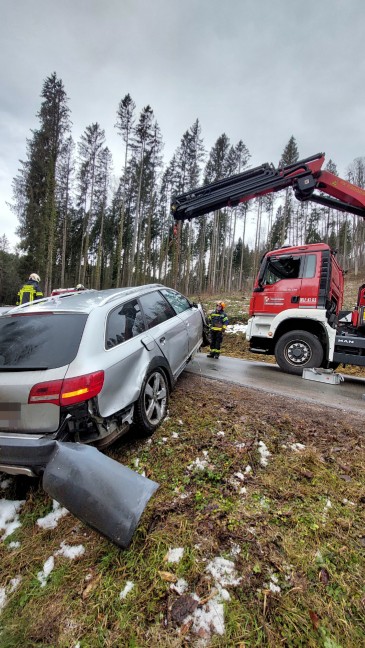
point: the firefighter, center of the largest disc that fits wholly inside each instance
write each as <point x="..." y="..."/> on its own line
<point x="80" y="287"/>
<point x="30" y="291"/>
<point x="218" y="322"/>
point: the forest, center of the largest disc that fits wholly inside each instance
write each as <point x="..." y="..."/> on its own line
<point x="78" y="222"/>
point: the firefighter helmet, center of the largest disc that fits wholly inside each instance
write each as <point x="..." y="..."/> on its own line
<point x="221" y="304"/>
<point x="34" y="277"/>
<point x="80" y="287"/>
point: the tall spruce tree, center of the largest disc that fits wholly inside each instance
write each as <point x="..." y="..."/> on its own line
<point x="289" y="156"/>
<point x="36" y="204"/>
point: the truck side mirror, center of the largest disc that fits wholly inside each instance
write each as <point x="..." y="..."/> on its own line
<point x="258" y="289"/>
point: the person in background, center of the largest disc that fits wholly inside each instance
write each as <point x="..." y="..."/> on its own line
<point x="80" y="287"/>
<point x="218" y="322"/>
<point x="30" y="291"/>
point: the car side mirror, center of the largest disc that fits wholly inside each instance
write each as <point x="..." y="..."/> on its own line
<point x="195" y="305"/>
<point x="258" y="289"/>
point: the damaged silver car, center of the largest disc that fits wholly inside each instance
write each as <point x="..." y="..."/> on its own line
<point x="81" y="368"/>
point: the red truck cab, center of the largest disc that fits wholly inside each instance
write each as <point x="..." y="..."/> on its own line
<point x="305" y="277"/>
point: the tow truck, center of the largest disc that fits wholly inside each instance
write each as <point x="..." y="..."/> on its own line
<point x="295" y="308"/>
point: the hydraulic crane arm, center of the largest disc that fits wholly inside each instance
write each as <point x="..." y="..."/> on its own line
<point x="305" y="176"/>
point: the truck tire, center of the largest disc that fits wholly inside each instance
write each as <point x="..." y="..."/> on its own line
<point x="298" y="350"/>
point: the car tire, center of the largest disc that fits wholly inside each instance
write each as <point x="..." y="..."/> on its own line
<point x="152" y="403"/>
<point x="298" y="350"/>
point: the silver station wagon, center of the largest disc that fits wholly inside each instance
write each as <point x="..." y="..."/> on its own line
<point x="82" y="367"/>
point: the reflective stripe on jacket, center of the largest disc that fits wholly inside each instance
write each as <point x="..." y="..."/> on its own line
<point x="218" y="321"/>
<point x="28" y="293"/>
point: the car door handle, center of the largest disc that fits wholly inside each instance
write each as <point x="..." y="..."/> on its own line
<point x="162" y="340"/>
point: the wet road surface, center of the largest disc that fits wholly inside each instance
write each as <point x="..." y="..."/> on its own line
<point x="348" y="395"/>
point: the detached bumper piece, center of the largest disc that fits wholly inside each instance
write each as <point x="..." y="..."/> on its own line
<point x="101" y="492"/>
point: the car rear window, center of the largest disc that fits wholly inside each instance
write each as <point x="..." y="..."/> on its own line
<point x="42" y="341"/>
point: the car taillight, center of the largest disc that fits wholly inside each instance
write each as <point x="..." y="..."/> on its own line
<point x="68" y="391"/>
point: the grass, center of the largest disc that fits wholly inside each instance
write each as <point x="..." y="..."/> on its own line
<point x="298" y="526"/>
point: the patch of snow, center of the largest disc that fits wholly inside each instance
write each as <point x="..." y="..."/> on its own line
<point x="297" y="447"/>
<point x="164" y="439"/>
<point x="180" y="422"/>
<point x="14" y="545"/>
<point x="221" y="433"/>
<point x="128" y="587"/>
<point x="243" y="490"/>
<point x="9" y="520"/>
<point x="70" y="551"/>
<point x="274" y="588"/>
<point x="248" y="469"/>
<point x="235" y="549"/>
<point x="208" y="619"/>
<point x="2" y="598"/>
<point x="4" y="591"/>
<point x="264" y="453"/>
<point x="223" y="572"/>
<point x="239" y="446"/>
<point x="236" y="328"/>
<point x="136" y="462"/>
<point x="175" y="555"/>
<point x="346" y="501"/>
<point x="47" y="569"/>
<point x="239" y="476"/>
<point x="5" y="483"/>
<point x="184" y="495"/>
<point x="181" y="586"/>
<point x="328" y="504"/>
<point x="174" y="435"/>
<point x="50" y="520"/>
<point x="198" y="464"/>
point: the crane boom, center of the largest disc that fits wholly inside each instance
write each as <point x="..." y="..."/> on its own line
<point x="305" y="177"/>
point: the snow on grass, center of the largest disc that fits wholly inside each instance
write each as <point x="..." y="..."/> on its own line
<point x="264" y="453"/>
<point x="174" y="555"/>
<point x="14" y="545"/>
<point x="200" y="464"/>
<point x="9" y="519"/>
<point x="70" y="551"/>
<point x="4" y="591"/>
<point x="297" y="447"/>
<point x="128" y="587"/>
<point x="175" y="435"/>
<point x="180" y="586"/>
<point x="45" y="572"/>
<point x="220" y="433"/>
<point x="208" y="618"/>
<point x="50" y="520"/>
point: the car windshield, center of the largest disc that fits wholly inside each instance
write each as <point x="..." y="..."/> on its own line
<point x="39" y="341"/>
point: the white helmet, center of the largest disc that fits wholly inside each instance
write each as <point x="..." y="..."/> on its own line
<point x="80" y="287"/>
<point x="35" y="277"/>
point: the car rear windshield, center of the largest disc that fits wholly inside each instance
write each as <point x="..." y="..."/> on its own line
<point x="39" y="341"/>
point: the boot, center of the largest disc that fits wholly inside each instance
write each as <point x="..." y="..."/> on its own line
<point x="216" y="357"/>
<point x="210" y="355"/>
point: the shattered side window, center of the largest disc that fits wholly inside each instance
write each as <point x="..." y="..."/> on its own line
<point x="282" y="268"/>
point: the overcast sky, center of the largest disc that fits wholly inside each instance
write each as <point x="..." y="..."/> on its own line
<point x="258" y="70"/>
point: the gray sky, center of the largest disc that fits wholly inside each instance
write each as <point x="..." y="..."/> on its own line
<point x="258" y="70"/>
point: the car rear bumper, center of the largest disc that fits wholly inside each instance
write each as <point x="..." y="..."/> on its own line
<point x="25" y="454"/>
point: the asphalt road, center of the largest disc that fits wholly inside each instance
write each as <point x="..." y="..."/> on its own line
<point x="349" y="395"/>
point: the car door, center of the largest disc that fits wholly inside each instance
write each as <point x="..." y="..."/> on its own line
<point x="168" y="330"/>
<point x="189" y="314"/>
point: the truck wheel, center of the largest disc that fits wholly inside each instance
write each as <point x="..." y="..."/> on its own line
<point x="152" y="403"/>
<point x="298" y="350"/>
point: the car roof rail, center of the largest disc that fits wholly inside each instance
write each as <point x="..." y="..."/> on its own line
<point x="128" y="292"/>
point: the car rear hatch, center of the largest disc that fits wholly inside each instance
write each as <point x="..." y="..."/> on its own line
<point x="36" y="349"/>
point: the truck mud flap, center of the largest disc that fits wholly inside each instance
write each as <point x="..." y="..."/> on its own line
<point x="101" y="492"/>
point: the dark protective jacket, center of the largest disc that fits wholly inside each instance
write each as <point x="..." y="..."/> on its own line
<point x="218" y="321"/>
<point x="29" y="292"/>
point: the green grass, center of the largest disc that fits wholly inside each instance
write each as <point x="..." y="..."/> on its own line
<point x="282" y="523"/>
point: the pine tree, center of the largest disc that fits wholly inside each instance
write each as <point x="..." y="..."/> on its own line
<point x="124" y="124"/>
<point x="290" y="155"/>
<point x="35" y="187"/>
